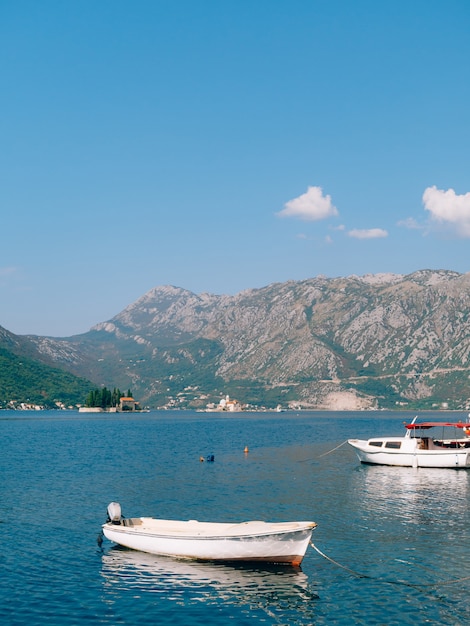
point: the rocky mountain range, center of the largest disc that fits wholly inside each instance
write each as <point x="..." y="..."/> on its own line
<point x="375" y="341"/>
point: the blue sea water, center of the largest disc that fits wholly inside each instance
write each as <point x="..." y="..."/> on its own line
<point x="397" y="539"/>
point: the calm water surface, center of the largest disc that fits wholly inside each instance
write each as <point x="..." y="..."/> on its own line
<point x="398" y="538"/>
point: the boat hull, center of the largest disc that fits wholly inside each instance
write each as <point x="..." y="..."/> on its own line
<point x="248" y="542"/>
<point x="451" y="458"/>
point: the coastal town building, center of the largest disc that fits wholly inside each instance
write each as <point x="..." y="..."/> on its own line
<point x="127" y="403"/>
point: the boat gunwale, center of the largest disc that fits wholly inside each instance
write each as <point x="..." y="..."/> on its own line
<point x="187" y="534"/>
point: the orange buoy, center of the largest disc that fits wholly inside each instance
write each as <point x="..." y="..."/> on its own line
<point x="246" y="450"/>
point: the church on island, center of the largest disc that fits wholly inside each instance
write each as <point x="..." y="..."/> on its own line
<point x="225" y="404"/>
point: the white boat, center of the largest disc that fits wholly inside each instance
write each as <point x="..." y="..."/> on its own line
<point x="425" y="444"/>
<point x="277" y="542"/>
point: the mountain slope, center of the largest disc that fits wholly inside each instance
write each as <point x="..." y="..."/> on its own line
<point x="383" y="340"/>
<point x="25" y="380"/>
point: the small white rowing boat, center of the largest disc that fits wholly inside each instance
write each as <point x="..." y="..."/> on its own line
<point x="277" y="542"/>
<point x="425" y="444"/>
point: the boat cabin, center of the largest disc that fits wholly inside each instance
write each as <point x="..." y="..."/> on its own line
<point x="417" y="437"/>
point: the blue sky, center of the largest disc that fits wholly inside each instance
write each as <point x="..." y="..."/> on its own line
<point x="223" y="145"/>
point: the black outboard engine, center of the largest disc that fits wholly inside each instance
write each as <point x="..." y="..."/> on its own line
<point x="114" y="513"/>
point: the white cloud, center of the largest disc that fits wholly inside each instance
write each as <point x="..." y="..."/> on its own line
<point x="448" y="209"/>
<point x="368" y="233"/>
<point x="310" y="206"/>
<point x="410" y="223"/>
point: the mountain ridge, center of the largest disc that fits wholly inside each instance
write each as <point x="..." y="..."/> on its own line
<point x="373" y="341"/>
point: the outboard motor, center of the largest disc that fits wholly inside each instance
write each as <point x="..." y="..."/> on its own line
<point x="114" y="513"/>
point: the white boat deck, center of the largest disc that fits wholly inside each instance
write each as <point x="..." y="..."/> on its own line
<point x="194" y="528"/>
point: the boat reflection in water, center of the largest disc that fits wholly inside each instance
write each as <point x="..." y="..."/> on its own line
<point x="184" y="582"/>
<point x="412" y="496"/>
<point x="411" y="521"/>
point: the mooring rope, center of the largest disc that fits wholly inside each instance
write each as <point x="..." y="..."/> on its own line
<point x="330" y="451"/>
<point x="324" y="454"/>
<point x="351" y="571"/>
<point x="384" y="580"/>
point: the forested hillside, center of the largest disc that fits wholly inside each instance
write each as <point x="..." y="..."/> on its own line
<point x="23" y="380"/>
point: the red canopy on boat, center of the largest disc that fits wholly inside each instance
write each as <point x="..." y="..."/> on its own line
<point x="424" y="425"/>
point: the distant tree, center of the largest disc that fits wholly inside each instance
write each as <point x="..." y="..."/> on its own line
<point x="116" y="396"/>
<point x="92" y="398"/>
<point x="103" y="398"/>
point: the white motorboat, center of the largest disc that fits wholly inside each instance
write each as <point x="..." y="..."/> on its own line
<point x="277" y="542"/>
<point x="425" y="444"/>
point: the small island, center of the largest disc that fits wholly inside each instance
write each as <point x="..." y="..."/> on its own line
<point x="106" y="401"/>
